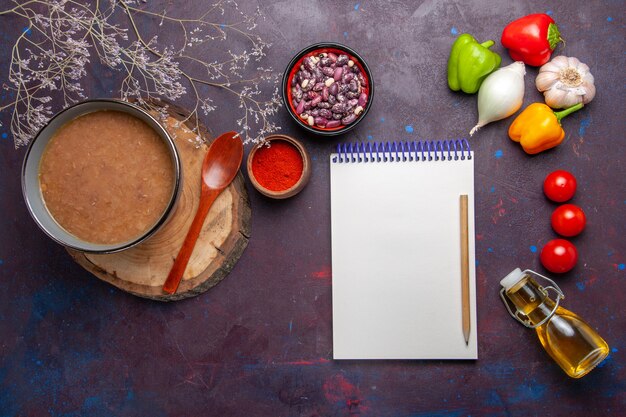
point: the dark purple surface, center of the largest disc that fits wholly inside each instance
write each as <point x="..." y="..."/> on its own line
<point x="260" y="343"/>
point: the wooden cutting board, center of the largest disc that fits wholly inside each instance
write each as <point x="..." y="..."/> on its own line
<point x="142" y="270"/>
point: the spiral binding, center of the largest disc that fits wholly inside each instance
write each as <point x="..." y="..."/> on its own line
<point x="422" y="150"/>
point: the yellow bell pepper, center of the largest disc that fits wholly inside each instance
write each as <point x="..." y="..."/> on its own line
<point x="538" y="128"/>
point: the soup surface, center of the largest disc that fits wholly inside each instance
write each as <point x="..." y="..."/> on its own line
<point x="106" y="177"/>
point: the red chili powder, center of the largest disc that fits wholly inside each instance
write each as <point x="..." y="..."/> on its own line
<point x="277" y="167"/>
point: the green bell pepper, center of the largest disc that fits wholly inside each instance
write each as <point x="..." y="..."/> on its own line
<point x="469" y="63"/>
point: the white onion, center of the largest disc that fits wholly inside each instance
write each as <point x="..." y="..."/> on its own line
<point x="500" y="95"/>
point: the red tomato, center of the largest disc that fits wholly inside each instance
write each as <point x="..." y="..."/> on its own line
<point x="559" y="256"/>
<point x="568" y="220"/>
<point x="559" y="186"/>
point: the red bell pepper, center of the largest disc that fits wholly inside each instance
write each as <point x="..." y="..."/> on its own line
<point x="531" y="39"/>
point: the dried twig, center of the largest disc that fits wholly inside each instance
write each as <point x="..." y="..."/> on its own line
<point x="49" y="61"/>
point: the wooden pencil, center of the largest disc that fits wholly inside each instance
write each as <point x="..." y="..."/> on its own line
<point x="465" y="301"/>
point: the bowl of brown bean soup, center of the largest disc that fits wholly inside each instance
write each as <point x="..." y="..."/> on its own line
<point x="101" y="176"/>
<point x="327" y="88"/>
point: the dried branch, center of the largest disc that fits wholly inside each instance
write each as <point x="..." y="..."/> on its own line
<point x="50" y="61"/>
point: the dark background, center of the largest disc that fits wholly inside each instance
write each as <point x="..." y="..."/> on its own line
<point x="260" y="343"/>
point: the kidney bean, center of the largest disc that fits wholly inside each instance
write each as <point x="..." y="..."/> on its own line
<point x="321" y="121"/>
<point x="325" y="93"/>
<point x="317" y="100"/>
<point x="341" y="97"/>
<point x="344" y="88"/>
<point x="315" y="112"/>
<point x="309" y="63"/>
<point x="332" y="57"/>
<point x="347" y="77"/>
<point x="339" y="108"/>
<point x="326" y="113"/>
<point x="353" y="102"/>
<point x="337" y="116"/>
<point x="306" y="85"/>
<point x="348" y="119"/>
<point x="312" y="94"/>
<point x="325" y="62"/>
<point x="333" y="89"/>
<point x="318" y="74"/>
<point x="324" y="105"/>
<point x="363" y="99"/>
<point x="362" y="80"/>
<point x="332" y="100"/>
<point x="333" y="123"/>
<point x="337" y="75"/>
<point x="294" y="81"/>
<point x="353" y="87"/>
<point x="318" y="87"/>
<point x="328" y="71"/>
<point x="300" y="107"/>
<point x="307" y="104"/>
<point x="298" y="92"/>
<point x="351" y="95"/>
<point x="342" y="59"/>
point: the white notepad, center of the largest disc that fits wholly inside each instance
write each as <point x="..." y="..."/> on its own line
<point x="396" y="250"/>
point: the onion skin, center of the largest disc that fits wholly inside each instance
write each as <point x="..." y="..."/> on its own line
<point x="565" y="82"/>
<point x="500" y="95"/>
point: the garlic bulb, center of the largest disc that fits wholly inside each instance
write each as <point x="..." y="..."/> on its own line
<point x="565" y="82"/>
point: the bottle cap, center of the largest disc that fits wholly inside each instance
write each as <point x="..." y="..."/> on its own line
<point x="511" y="279"/>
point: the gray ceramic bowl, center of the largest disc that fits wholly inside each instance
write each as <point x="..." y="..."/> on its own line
<point x="30" y="174"/>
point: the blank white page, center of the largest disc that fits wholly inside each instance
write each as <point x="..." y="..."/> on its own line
<point x="396" y="259"/>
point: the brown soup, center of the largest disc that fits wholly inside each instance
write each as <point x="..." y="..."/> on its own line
<point x="106" y="177"/>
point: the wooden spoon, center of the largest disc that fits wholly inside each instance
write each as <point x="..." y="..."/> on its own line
<point x="219" y="168"/>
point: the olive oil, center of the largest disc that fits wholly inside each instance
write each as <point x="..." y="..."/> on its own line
<point x="567" y="338"/>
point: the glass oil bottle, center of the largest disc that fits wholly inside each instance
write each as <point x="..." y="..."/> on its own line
<point x="571" y="342"/>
